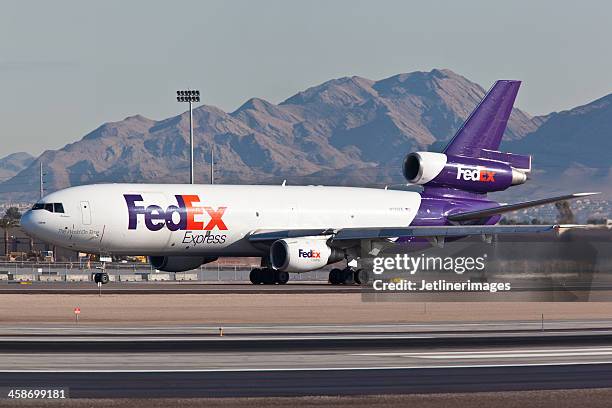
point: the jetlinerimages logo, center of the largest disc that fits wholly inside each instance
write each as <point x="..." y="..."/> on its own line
<point x="440" y="285"/>
<point x="475" y="174"/>
<point x="309" y="254"/>
<point x="156" y="217"/>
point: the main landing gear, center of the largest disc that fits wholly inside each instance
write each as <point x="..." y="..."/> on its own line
<point x="268" y="276"/>
<point x="349" y="276"/>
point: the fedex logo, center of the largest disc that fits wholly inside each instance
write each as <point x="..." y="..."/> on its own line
<point x="309" y="254"/>
<point x="156" y="218"/>
<point x="477" y="174"/>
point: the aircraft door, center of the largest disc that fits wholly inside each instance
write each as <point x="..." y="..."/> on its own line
<point x="85" y="213"/>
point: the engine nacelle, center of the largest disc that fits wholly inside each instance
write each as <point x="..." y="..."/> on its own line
<point x="465" y="173"/>
<point x="302" y="254"/>
<point x="178" y="263"/>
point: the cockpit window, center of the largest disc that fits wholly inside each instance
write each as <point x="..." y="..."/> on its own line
<point x="51" y="207"/>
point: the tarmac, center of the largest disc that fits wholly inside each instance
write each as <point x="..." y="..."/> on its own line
<point x="292" y="341"/>
<point x="285" y="364"/>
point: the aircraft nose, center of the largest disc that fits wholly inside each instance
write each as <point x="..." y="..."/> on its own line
<point x="27" y="222"/>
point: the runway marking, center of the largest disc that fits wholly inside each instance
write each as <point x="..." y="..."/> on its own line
<point x="375" y="368"/>
<point x="235" y="338"/>
<point x="516" y="355"/>
<point x="383" y="325"/>
<point x="577" y="352"/>
<point x="255" y="337"/>
<point x="602" y="348"/>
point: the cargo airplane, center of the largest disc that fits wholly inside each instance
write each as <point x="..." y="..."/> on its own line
<point x="301" y="228"/>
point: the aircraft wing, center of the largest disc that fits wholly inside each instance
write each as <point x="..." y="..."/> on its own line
<point x="344" y="234"/>
<point x="500" y="209"/>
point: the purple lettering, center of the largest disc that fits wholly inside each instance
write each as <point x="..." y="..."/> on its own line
<point x="155" y="213"/>
<point x="182" y="223"/>
<point x="133" y="209"/>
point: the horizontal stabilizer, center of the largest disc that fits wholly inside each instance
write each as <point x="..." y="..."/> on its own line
<point x="488" y="212"/>
<point x="518" y="161"/>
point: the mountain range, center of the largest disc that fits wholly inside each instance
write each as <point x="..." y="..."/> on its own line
<point x="13" y="163"/>
<point x="346" y="131"/>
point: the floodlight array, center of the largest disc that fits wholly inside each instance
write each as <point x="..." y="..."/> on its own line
<point x="188" y="96"/>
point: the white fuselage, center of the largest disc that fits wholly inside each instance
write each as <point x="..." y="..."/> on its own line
<point x="213" y="220"/>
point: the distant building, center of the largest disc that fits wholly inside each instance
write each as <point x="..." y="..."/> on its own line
<point x="22" y="246"/>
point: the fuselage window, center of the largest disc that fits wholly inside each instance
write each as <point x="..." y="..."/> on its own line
<point x="58" y="208"/>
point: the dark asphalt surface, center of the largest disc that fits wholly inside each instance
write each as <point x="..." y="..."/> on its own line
<point x="363" y="374"/>
<point x="300" y="342"/>
<point x="315" y="382"/>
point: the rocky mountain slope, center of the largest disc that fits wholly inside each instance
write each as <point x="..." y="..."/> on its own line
<point x="13" y="163"/>
<point x="572" y="150"/>
<point x="344" y="131"/>
<point x="347" y="131"/>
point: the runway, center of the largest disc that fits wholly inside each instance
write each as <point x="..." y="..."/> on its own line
<point x="315" y="364"/>
<point x="272" y="383"/>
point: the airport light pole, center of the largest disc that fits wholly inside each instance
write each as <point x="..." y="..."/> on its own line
<point x="190" y="96"/>
<point x="41" y="181"/>
<point x="212" y="161"/>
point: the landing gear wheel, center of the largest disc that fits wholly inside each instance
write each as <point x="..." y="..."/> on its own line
<point x="362" y="277"/>
<point x="268" y="276"/>
<point x="255" y="276"/>
<point x="281" y="277"/>
<point x="347" y="276"/>
<point x="335" y="276"/>
<point x="101" y="277"/>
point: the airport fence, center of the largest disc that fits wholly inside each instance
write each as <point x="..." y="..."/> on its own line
<point x="132" y="272"/>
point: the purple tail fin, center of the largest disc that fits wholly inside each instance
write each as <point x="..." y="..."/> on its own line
<point x="487" y="123"/>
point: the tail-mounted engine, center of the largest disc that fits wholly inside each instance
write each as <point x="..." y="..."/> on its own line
<point x="494" y="171"/>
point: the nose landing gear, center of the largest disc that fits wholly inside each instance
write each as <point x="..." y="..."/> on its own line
<point x="101" y="277"/>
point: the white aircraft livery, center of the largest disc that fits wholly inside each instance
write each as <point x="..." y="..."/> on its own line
<point x="299" y="228"/>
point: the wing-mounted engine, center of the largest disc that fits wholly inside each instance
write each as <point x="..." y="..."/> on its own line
<point x="178" y="263"/>
<point x="302" y="254"/>
<point x="492" y="171"/>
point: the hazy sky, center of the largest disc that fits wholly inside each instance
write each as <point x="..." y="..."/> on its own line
<point x="68" y="66"/>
